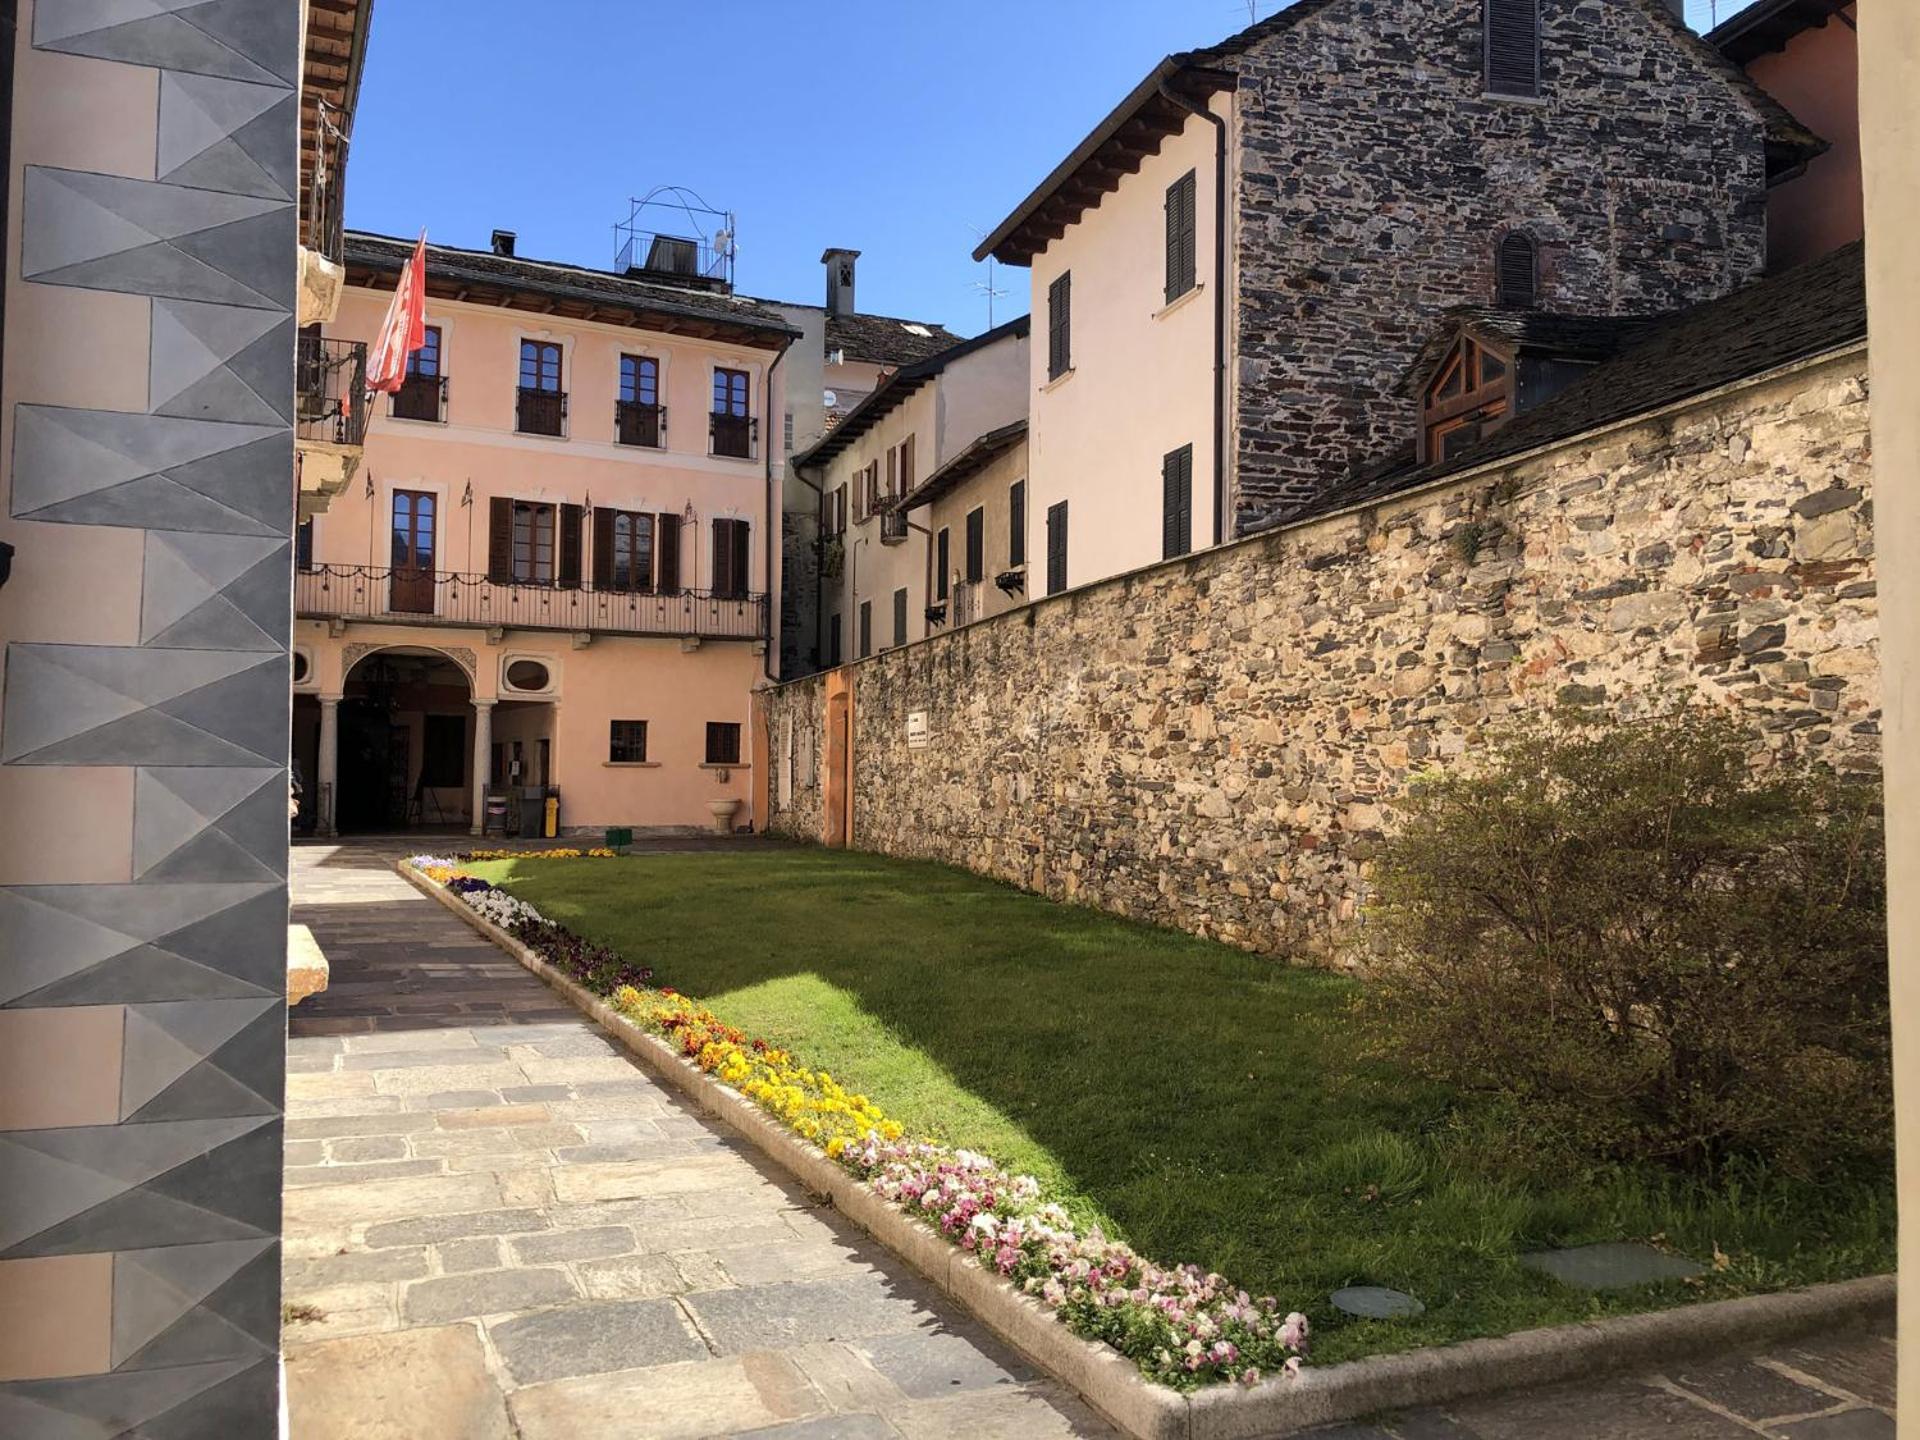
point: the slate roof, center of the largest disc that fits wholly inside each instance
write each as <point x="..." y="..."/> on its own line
<point x="1769" y="25"/>
<point x="667" y="307"/>
<point x="979" y="454"/>
<point x="885" y="340"/>
<point x="1806" y="311"/>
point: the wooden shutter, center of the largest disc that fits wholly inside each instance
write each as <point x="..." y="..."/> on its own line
<point x="906" y="466"/>
<point x="500" y="540"/>
<point x="866" y="628"/>
<point x="900" y="617"/>
<point x="893" y="470"/>
<point x="1181" y="269"/>
<point x="1017" y="523"/>
<point x="976" y="546"/>
<point x="722" y="560"/>
<point x="573" y="522"/>
<point x="1176" y="504"/>
<point x="669" y="542"/>
<point x="1056" y="548"/>
<point x="943" y="564"/>
<point x="1519" y="278"/>
<point x="1513" y="46"/>
<point x="1060" y="327"/>
<point x="741" y="583"/>
<point x="603" y="548"/>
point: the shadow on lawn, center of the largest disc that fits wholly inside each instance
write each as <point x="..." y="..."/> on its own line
<point x="1212" y="1105"/>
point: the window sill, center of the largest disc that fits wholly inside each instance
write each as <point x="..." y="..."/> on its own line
<point x="417" y="420"/>
<point x="1057" y="381"/>
<point x="1178" y="302"/>
<point x="1498" y="98"/>
<point x="540" y="435"/>
<point x="735" y="765"/>
<point x="743" y="459"/>
<point x="630" y="764"/>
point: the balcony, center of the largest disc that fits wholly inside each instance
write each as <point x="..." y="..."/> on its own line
<point x="733" y="435"/>
<point x="420" y="397"/>
<point x="893" y="527"/>
<point x="330" y="417"/>
<point x="330" y="386"/>
<point x="638" y="423"/>
<point x="541" y="412"/>
<point x="391" y="595"/>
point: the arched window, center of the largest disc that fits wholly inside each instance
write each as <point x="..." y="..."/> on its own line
<point x="1470" y="395"/>
<point x="1512" y="46"/>
<point x="1517" y="279"/>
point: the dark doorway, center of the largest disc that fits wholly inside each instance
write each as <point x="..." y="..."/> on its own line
<point x="373" y="767"/>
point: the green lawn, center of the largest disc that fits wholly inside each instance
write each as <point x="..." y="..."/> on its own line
<point x="1204" y="1104"/>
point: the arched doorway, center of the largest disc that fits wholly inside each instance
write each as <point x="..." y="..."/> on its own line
<point x="405" y="743"/>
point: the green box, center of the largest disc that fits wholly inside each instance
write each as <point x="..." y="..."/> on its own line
<point x="619" y="838"/>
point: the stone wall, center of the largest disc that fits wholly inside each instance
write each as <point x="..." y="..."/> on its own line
<point x="1377" y="179"/>
<point x="1215" y="743"/>
<point x="799" y="592"/>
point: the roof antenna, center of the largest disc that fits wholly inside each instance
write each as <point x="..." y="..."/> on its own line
<point x="986" y="287"/>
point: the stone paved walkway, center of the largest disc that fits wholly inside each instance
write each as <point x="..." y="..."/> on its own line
<point x="498" y="1226"/>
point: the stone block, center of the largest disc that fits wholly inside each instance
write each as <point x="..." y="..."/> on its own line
<point x="591" y="1339"/>
<point x="754" y="1317"/>
<point x="687" y="1401"/>
<point x="381" y="1387"/>
<point x="487" y="1292"/>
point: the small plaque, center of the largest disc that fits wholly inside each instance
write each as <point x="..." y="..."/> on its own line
<point x="1376" y="1302"/>
<point x="919" y="728"/>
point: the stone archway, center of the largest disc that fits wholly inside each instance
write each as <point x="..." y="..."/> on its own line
<point x="398" y="751"/>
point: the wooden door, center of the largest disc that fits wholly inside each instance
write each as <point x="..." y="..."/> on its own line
<point x="411" y="585"/>
<point x="837" y="783"/>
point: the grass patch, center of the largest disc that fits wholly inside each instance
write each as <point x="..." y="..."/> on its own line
<point x="1204" y="1104"/>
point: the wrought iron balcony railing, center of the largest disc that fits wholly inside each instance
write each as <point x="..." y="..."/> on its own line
<point x="420" y="397"/>
<point x="733" y="435"/>
<point x="638" y="423"/>
<point x="400" y="596"/>
<point x="330" y="390"/>
<point x="541" y="412"/>
<point x="893" y="527"/>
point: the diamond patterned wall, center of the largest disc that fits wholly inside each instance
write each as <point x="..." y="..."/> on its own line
<point x="167" y="1209"/>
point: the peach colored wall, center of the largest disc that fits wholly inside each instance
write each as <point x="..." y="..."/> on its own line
<point x="1817" y="77"/>
<point x="613" y="678"/>
<point x="480" y="355"/>
<point x="1142" y="378"/>
<point x="990" y="491"/>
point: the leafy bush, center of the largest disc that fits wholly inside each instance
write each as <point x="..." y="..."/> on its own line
<point x="1651" y="948"/>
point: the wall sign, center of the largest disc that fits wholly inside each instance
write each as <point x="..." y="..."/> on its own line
<point x="919" y="729"/>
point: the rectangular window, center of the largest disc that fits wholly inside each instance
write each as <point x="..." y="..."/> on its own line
<point x="942" y="563"/>
<point x="542" y="408"/>
<point x="1176" y="503"/>
<point x="303" y="545"/>
<point x="1512" y="46"/>
<point x="1056" y="548"/>
<point x="834" y="650"/>
<point x="730" y="558"/>
<point x="723" y="742"/>
<point x="533" y="531"/>
<point x="976" y="546"/>
<point x="1180" y="232"/>
<point x="443" y="752"/>
<point x="1060" y="327"/>
<point x="900" y="616"/>
<point x="627" y="742"/>
<point x="1017" y="523"/>
<point x="426" y="360"/>
<point x="418" y="397"/>
<point x="866" y="628"/>
<point x="637" y="413"/>
<point x="732" y="426"/>
<point x="628" y="536"/>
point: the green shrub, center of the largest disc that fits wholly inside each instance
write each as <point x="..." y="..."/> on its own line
<point x="1651" y="948"/>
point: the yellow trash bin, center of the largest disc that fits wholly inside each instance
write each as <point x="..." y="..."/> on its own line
<point x="552" y="826"/>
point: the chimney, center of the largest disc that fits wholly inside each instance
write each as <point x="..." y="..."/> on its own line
<point x="503" y="242"/>
<point x="839" y="265"/>
<point x="1679" y="9"/>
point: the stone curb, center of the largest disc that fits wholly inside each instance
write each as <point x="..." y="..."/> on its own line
<point x="1112" y="1384"/>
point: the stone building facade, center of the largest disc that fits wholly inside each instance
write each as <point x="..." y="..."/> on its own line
<point x="1215" y="743"/>
<point x="1377" y="177"/>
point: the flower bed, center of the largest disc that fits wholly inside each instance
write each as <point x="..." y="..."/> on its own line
<point x="1181" y="1326"/>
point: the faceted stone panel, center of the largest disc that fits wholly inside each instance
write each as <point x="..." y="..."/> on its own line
<point x="221" y="362"/>
<point x="220" y="134"/>
<point x="206" y="824"/>
<point x="241" y="39"/>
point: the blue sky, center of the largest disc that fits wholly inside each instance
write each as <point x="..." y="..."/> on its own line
<point x="899" y="128"/>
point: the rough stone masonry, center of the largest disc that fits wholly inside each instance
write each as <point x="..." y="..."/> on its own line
<point x="1216" y="743"/>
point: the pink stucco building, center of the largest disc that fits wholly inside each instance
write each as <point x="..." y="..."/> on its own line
<point x="552" y="570"/>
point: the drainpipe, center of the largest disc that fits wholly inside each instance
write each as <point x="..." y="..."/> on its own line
<point x="1219" y="302"/>
<point x="771" y="534"/>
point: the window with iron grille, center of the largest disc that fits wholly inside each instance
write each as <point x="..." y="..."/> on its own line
<point x="723" y="742"/>
<point x="627" y="742"/>
<point x="542" y="406"/>
<point x="732" y="426"/>
<point x="1060" y="327"/>
<point x="418" y="397"/>
<point x="1056" y="548"/>
<point x="1512" y="46"/>
<point x="1176" y="502"/>
<point x="637" y="412"/>
<point x="1181" y="264"/>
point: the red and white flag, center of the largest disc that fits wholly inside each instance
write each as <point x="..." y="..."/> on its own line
<point x="405" y="328"/>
